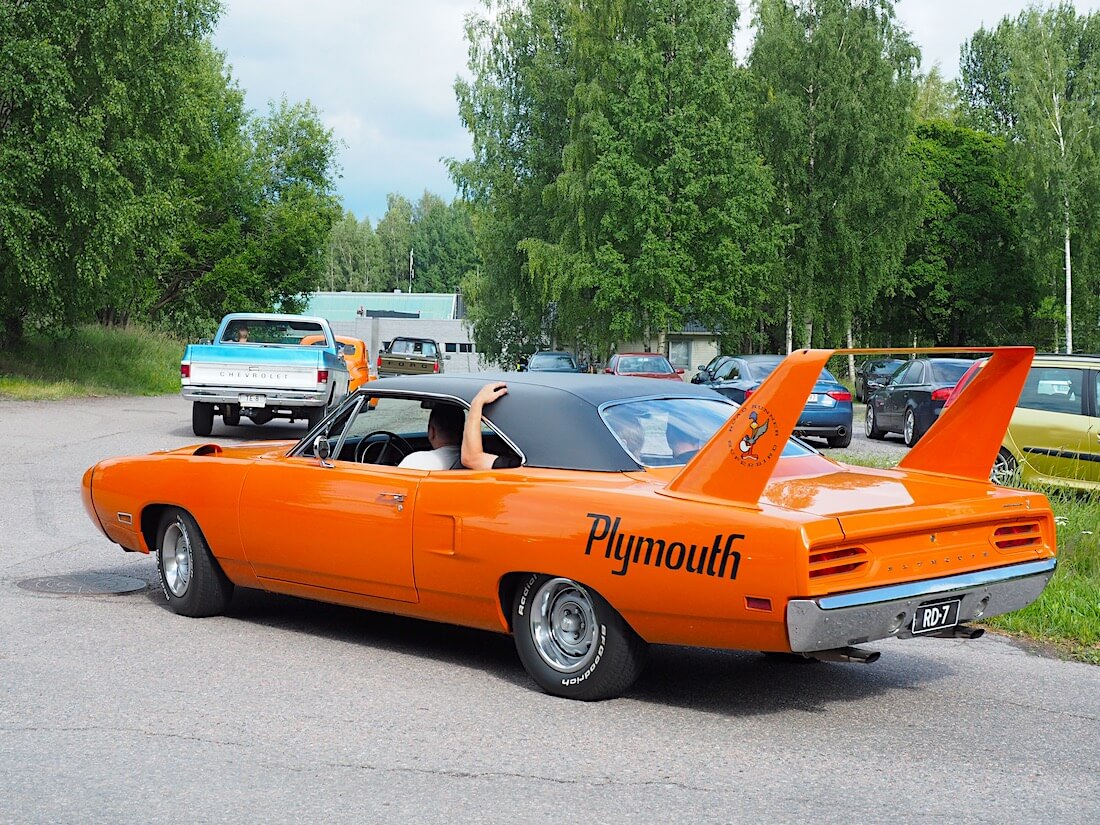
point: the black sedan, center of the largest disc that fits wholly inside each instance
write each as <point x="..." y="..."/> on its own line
<point x="912" y="397"/>
<point x="873" y="374"/>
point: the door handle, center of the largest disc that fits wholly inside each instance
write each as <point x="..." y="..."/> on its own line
<point x="396" y="498"/>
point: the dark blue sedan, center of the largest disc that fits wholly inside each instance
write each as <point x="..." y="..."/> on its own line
<point x="828" y="411"/>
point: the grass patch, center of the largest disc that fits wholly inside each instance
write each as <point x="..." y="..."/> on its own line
<point x="1067" y="614"/>
<point x="90" y="361"/>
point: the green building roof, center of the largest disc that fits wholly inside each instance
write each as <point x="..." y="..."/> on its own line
<point x="346" y="306"/>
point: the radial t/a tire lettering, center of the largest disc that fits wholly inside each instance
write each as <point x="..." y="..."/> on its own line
<point x="190" y="577"/>
<point x="572" y="642"/>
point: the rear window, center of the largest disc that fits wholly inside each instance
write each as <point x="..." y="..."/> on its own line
<point x="645" y="363"/>
<point x="761" y="369"/>
<point x="670" y="431"/>
<point x="259" y="331"/>
<point x="946" y="373"/>
<point x="552" y="361"/>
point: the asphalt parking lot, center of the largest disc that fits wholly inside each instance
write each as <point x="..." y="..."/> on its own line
<point x="112" y="708"/>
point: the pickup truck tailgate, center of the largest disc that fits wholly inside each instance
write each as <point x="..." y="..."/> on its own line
<point x="258" y="376"/>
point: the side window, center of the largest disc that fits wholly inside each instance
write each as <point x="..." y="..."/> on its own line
<point x="728" y="372"/>
<point x="908" y="375"/>
<point x="429" y="349"/>
<point x="1054" y="389"/>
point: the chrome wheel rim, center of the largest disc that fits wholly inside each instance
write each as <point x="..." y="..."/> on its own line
<point x="1005" y="471"/>
<point x="175" y="560"/>
<point x="869" y="420"/>
<point x="564" y="625"/>
<point x="910" y="424"/>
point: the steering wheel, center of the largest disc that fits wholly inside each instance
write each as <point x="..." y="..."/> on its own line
<point x="376" y="447"/>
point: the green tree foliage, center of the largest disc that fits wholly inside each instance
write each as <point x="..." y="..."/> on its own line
<point x="964" y="279"/>
<point x="618" y="193"/>
<point x="835" y="114"/>
<point x="936" y="98"/>
<point x="515" y="108"/>
<point x="1035" y="79"/>
<point x="132" y="181"/>
<point x="353" y="256"/>
<point x="92" y="126"/>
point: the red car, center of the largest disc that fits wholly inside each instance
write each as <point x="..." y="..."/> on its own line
<point x="643" y="365"/>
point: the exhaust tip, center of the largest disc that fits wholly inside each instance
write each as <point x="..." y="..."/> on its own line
<point x="847" y="654"/>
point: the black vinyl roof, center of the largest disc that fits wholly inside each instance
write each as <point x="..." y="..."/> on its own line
<point x="552" y="417"/>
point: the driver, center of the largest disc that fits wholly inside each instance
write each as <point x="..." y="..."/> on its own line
<point x="445" y="435"/>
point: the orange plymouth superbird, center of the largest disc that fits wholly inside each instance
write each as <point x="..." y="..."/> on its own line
<point x="624" y="513"/>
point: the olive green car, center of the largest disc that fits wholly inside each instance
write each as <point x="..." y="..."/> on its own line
<point x="1054" y="437"/>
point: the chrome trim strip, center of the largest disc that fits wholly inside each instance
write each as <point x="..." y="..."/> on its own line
<point x="945" y="585"/>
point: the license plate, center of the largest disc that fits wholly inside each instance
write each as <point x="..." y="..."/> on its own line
<point x="813" y="399"/>
<point x="252" y="400"/>
<point x="932" y="617"/>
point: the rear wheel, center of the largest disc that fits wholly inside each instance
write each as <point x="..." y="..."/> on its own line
<point x="231" y="415"/>
<point x="190" y="577"/>
<point x="202" y="418"/>
<point x="909" y="431"/>
<point x="572" y="642"/>
<point x="840" y="440"/>
<point x="314" y="416"/>
<point x="1006" y="470"/>
<point x="871" y="424"/>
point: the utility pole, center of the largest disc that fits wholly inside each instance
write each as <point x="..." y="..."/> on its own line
<point x="410" y="270"/>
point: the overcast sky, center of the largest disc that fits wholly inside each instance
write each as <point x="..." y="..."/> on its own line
<point x="382" y="74"/>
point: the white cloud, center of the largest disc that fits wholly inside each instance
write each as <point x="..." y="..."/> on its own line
<point x="382" y="74"/>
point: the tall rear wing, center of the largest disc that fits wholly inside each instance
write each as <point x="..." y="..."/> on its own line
<point x="737" y="463"/>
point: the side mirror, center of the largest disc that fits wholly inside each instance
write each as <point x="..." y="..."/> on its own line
<point x="679" y="370"/>
<point x="702" y="368"/>
<point x="608" y="370"/>
<point x="446" y="358"/>
<point x="322" y="449"/>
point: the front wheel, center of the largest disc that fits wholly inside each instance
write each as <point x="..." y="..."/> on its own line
<point x="190" y="577"/>
<point x="202" y="418"/>
<point x="572" y="642"/>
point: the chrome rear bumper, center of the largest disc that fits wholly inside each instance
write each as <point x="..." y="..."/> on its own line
<point x="863" y="616"/>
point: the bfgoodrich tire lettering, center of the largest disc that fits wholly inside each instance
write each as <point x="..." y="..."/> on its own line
<point x="572" y="642"/>
<point x="190" y="577"/>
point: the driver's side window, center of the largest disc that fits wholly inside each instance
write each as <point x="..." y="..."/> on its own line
<point x="402" y="416"/>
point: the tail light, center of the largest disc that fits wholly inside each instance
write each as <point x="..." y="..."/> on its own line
<point x="748" y="393"/>
<point x="1016" y="535"/>
<point x="840" y="395"/>
<point x="824" y="563"/>
<point x="185" y="370"/>
<point x="322" y="376"/>
<point x="941" y="394"/>
<point x="379" y="361"/>
<point x="435" y="367"/>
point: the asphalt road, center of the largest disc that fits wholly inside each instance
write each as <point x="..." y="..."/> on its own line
<point x="113" y="709"/>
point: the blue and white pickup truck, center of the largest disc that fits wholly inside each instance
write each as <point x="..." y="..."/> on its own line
<point x="257" y="367"/>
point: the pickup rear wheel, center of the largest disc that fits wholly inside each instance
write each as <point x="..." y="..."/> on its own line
<point x="190" y="577"/>
<point x="202" y="418"/>
<point x="572" y="642"/>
